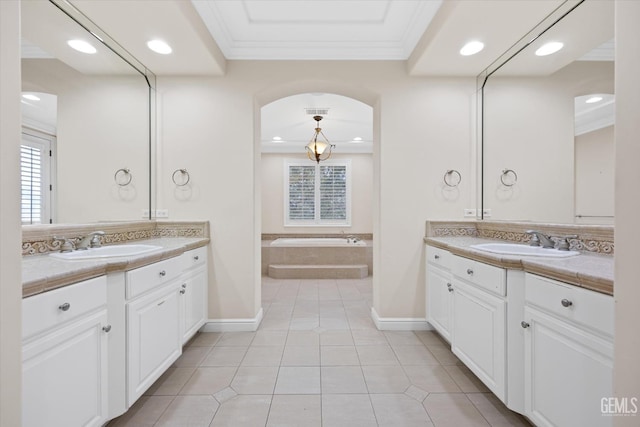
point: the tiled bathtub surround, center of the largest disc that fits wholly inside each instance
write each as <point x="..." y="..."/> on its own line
<point x="39" y="239"/>
<point x="596" y="239"/>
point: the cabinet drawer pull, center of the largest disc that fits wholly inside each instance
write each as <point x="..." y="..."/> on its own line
<point x="184" y="285"/>
<point x="524" y="324"/>
<point x="436" y="256"/>
<point x="106" y="328"/>
<point x="469" y="272"/>
<point x="182" y="291"/>
<point x="163" y="273"/>
<point x="64" y="307"/>
<point x="566" y="303"/>
<point x="195" y="258"/>
<point x="449" y="287"/>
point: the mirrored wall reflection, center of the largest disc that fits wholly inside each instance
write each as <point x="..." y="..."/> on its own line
<point x="537" y="124"/>
<point x="93" y="109"/>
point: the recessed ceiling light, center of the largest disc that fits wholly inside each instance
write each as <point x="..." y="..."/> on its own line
<point x="471" y="48"/>
<point x="82" y="46"/>
<point x="357" y="139"/>
<point x="158" y="46"/>
<point x="30" y="97"/>
<point x="593" y="99"/>
<point x="276" y="139"/>
<point x="549" y="48"/>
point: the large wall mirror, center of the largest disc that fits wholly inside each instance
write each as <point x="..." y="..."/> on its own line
<point x="87" y="112"/>
<point x="547" y="121"/>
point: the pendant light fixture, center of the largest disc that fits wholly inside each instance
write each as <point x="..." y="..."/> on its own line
<point x="319" y="150"/>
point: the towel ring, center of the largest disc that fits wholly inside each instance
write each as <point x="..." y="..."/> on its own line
<point x="506" y="172"/>
<point x="450" y="182"/>
<point x="123" y="177"/>
<point x="183" y="172"/>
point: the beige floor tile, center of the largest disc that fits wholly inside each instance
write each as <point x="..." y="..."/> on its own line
<point x="347" y="410"/>
<point x="336" y="338"/>
<point x="342" y="380"/>
<point x="205" y="339"/>
<point x="191" y="357"/>
<point x="369" y="337"/>
<point x="466" y="380"/>
<point x="269" y="338"/>
<point x="414" y="355"/>
<point x="295" y="411"/>
<point x="334" y="322"/>
<point x="402" y="338"/>
<point x="361" y="322"/>
<point x="189" y="411"/>
<point x="255" y="380"/>
<point x="385" y="379"/>
<point x="299" y="355"/>
<point x="399" y="410"/>
<point x="376" y="355"/>
<point x="263" y="356"/>
<point x="430" y="338"/>
<point x="304" y="324"/>
<point x="444" y="355"/>
<point x="170" y="383"/>
<point x="208" y="380"/>
<point x="298" y="380"/>
<point x="453" y="410"/>
<point x="279" y="324"/>
<point x="432" y="379"/>
<point x="339" y="356"/>
<point x="242" y="339"/>
<point x="299" y="338"/>
<point x="224" y="356"/>
<point x="245" y="411"/>
<point x="145" y="412"/>
<point x="495" y="412"/>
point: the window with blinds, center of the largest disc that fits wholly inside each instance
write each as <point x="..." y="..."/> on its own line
<point x="34" y="179"/>
<point x="318" y="194"/>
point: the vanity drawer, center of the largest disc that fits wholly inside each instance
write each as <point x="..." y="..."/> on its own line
<point x="44" y="311"/>
<point x="150" y="276"/>
<point x="439" y="257"/>
<point x="488" y="277"/>
<point x="195" y="258"/>
<point x="582" y="306"/>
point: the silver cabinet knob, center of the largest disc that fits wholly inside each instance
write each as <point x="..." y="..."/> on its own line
<point x="163" y="273"/>
<point x="469" y="271"/>
<point x="184" y="285"/>
<point x="524" y="324"/>
<point x="566" y="303"/>
<point x="182" y="291"/>
<point x="449" y="287"/>
<point x="64" y="307"/>
<point x="195" y="258"/>
<point x="106" y="328"/>
<point x="436" y="256"/>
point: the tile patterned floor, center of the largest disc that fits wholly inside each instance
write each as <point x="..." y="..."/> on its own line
<point x="318" y="360"/>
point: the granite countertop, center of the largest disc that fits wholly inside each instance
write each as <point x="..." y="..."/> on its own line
<point x="42" y="273"/>
<point x="590" y="271"/>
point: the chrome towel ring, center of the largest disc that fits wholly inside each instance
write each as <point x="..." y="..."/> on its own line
<point x="185" y="177"/>
<point x="452" y="178"/>
<point x="509" y="182"/>
<point x="123" y="177"/>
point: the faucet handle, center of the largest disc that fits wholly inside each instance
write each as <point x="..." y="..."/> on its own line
<point x="96" y="239"/>
<point x="535" y="241"/>
<point x="67" y="244"/>
<point x="563" y="242"/>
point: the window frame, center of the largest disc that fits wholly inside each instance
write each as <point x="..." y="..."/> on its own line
<point x="317" y="221"/>
<point x="32" y="138"/>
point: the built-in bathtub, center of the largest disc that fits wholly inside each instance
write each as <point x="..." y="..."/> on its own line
<point x="317" y="258"/>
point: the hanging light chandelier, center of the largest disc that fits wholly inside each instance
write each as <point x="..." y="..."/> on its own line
<point x="319" y="150"/>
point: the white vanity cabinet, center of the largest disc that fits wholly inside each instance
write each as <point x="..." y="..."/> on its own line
<point x="568" y="353"/>
<point x="193" y="292"/>
<point x="439" y="290"/>
<point x="478" y="327"/>
<point x="64" y="356"/>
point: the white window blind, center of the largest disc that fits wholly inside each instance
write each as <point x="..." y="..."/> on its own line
<point x="34" y="179"/>
<point x="318" y="194"/>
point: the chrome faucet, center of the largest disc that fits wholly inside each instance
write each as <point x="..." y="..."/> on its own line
<point x="538" y="238"/>
<point x="92" y="240"/>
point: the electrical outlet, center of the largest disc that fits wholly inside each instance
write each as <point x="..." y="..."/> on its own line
<point x="486" y="213"/>
<point x="469" y="213"/>
<point x="162" y="213"/>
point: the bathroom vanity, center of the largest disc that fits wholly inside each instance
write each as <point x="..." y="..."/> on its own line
<point x="92" y="347"/>
<point x="543" y="346"/>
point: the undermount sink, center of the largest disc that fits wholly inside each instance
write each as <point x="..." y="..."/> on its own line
<point x="107" y="252"/>
<point x="523" y="250"/>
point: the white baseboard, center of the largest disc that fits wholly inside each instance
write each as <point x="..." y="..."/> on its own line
<point x="233" y="325"/>
<point x="399" y="323"/>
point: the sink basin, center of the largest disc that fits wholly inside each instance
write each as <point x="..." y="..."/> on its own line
<point x="107" y="252"/>
<point x="523" y="250"/>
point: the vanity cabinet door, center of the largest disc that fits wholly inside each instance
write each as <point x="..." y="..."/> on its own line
<point x="64" y="375"/>
<point x="193" y="293"/>
<point x="478" y="334"/>
<point x="568" y="371"/>
<point x="439" y="300"/>
<point x="153" y="339"/>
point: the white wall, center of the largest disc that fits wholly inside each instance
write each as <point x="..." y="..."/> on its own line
<point x="595" y="162"/>
<point x="423" y="126"/>
<point x="273" y="193"/>
<point x="10" y="273"/>
<point x="627" y="233"/>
